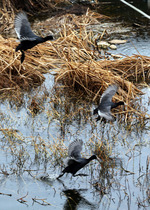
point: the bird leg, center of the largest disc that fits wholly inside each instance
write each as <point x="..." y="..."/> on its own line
<point x="22" y="56"/>
<point x="60" y="176"/>
<point x="80" y="175"/>
<point x="98" y="118"/>
<point x="101" y="119"/>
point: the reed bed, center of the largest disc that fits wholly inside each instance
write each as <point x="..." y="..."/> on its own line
<point x="76" y="62"/>
<point x="13" y="75"/>
<point x="44" y="8"/>
<point x="81" y="76"/>
<point x="38" y="60"/>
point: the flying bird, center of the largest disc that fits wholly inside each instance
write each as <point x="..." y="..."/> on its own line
<point x="106" y="104"/>
<point x="25" y="34"/>
<point x="75" y="161"/>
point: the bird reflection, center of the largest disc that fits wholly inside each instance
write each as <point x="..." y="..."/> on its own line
<point x="74" y="199"/>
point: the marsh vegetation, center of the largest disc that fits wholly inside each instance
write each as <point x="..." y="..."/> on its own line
<point x="48" y="101"/>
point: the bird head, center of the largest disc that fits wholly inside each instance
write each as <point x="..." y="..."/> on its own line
<point x="93" y="157"/>
<point x="121" y="103"/>
<point x="50" y="37"/>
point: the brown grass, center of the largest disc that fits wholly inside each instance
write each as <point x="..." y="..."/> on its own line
<point x="38" y="60"/>
<point x="14" y="76"/>
<point x="76" y="62"/>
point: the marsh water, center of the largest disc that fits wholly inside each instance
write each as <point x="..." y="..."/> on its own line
<point x="32" y="145"/>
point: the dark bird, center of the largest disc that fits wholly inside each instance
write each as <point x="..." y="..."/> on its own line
<point x="75" y="161"/>
<point x="106" y="104"/>
<point x="25" y="34"/>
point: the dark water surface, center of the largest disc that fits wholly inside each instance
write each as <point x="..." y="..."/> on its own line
<point x="119" y="9"/>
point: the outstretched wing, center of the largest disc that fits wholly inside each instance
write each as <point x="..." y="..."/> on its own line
<point x="75" y="148"/>
<point x="23" y="28"/>
<point x="108" y="94"/>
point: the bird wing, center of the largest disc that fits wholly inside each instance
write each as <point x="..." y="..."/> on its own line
<point x="108" y="94"/>
<point x="23" y="28"/>
<point x="72" y="161"/>
<point x="75" y="148"/>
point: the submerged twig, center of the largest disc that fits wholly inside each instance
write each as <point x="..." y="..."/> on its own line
<point x="43" y="202"/>
<point x="5" y="194"/>
<point x="21" y="200"/>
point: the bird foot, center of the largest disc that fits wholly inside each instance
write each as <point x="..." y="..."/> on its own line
<point x="98" y="118"/>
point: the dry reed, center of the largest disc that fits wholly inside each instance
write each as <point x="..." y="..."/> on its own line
<point x="13" y="76"/>
<point x="76" y="62"/>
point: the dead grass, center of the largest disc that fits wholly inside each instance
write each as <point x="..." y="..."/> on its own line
<point x="76" y="62"/>
<point x="14" y="76"/>
<point x="6" y="16"/>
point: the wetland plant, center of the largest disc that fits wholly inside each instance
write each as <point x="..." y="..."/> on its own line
<point x="25" y="34"/>
<point x="75" y="161"/>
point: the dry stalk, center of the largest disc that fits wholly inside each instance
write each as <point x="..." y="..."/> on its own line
<point x="77" y="63"/>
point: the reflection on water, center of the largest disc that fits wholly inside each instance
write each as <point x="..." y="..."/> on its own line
<point x="39" y="149"/>
<point x="74" y="200"/>
<point x="36" y="145"/>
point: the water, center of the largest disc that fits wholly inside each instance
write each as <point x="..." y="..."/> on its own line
<point x="25" y="158"/>
<point x="116" y="8"/>
<point x="133" y="46"/>
<point x="122" y="188"/>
